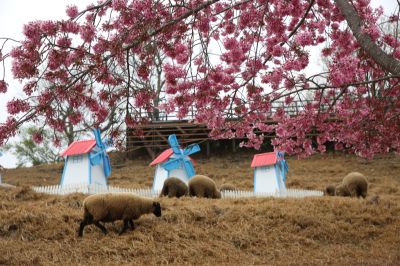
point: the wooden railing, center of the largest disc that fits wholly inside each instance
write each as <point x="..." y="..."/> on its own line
<point x="292" y="109"/>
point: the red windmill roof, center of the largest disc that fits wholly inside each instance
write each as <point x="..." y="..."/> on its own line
<point x="79" y="147"/>
<point x="262" y="159"/>
<point x="162" y="157"/>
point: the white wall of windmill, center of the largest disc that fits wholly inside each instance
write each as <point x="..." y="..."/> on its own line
<point x="159" y="177"/>
<point x="76" y="170"/>
<point x="179" y="173"/>
<point x="266" y="180"/>
<point x="97" y="175"/>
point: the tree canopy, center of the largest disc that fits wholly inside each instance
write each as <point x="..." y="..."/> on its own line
<point x="233" y="61"/>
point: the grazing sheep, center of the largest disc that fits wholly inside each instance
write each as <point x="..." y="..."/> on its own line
<point x="227" y="186"/>
<point x="330" y="190"/>
<point x="110" y="207"/>
<point x="203" y="186"/>
<point x="353" y="185"/>
<point x="174" y="187"/>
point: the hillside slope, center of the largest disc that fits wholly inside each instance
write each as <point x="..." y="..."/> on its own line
<point x="41" y="229"/>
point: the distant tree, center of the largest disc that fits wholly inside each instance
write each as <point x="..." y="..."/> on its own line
<point x="230" y="60"/>
<point x="35" y="147"/>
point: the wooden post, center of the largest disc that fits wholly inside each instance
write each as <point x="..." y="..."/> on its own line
<point x="150" y="152"/>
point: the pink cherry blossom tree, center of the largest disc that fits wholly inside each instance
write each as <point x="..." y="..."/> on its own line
<point x="231" y="60"/>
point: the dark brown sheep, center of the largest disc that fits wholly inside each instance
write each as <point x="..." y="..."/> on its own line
<point x="353" y="185"/>
<point x="203" y="186"/>
<point x="174" y="187"/>
<point x="110" y="207"/>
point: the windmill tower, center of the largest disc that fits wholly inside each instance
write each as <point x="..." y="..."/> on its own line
<point x="174" y="162"/>
<point x="86" y="162"/>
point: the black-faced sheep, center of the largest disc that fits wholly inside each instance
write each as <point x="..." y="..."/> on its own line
<point x="203" y="186"/>
<point x="227" y="186"/>
<point x="330" y="190"/>
<point x="174" y="187"/>
<point x="353" y="185"/>
<point x="110" y="207"/>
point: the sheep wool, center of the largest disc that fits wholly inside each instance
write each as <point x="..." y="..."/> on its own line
<point x="110" y="207"/>
<point x="227" y="186"/>
<point x="353" y="185"/>
<point x="203" y="186"/>
<point x="174" y="187"/>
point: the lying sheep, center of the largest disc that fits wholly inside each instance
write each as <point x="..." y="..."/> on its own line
<point x="110" y="207"/>
<point x="174" y="187"/>
<point x="203" y="186"/>
<point x="353" y="185"/>
<point x="227" y="186"/>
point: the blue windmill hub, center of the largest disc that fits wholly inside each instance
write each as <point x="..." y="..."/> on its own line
<point x="180" y="157"/>
<point x="99" y="154"/>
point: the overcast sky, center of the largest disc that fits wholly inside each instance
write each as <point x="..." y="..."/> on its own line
<point x="15" y="13"/>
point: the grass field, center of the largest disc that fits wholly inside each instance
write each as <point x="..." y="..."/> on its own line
<point x="39" y="229"/>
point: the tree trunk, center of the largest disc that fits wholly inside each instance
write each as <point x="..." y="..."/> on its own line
<point x="386" y="61"/>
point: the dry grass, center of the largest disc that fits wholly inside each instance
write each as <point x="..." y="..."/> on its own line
<point x="41" y="229"/>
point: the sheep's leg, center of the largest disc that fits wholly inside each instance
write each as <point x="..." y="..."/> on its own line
<point x="81" y="227"/>
<point x="87" y="219"/>
<point x="99" y="225"/>
<point x="126" y="225"/>
<point x="132" y="224"/>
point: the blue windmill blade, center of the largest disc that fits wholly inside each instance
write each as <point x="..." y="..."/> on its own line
<point x="97" y="137"/>
<point x="172" y="164"/>
<point x="96" y="158"/>
<point x="106" y="165"/>
<point x="173" y="142"/>
<point x="187" y="163"/>
<point x="192" y="148"/>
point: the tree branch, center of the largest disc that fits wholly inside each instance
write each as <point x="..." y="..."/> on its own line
<point x="386" y="61"/>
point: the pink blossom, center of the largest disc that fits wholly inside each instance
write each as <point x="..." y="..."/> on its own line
<point x="28" y="87"/>
<point x="230" y="43"/>
<point x="75" y="118"/>
<point x="16" y="106"/>
<point x="119" y="5"/>
<point x="143" y="72"/>
<point x="3" y="86"/>
<point x="305" y="38"/>
<point x="72" y="11"/>
<point x="64" y="42"/>
<point x="278" y="50"/>
<point x="37" y="137"/>
<point x="335" y="25"/>
<point x="88" y="32"/>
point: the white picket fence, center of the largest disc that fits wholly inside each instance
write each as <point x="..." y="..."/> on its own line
<point x="147" y="192"/>
<point x="287" y="193"/>
<point x="93" y="189"/>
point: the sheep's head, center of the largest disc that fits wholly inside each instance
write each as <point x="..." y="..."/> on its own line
<point x="342" y="191"/>
<point x="156" y="209"/>
<point x="330" y="190"/>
